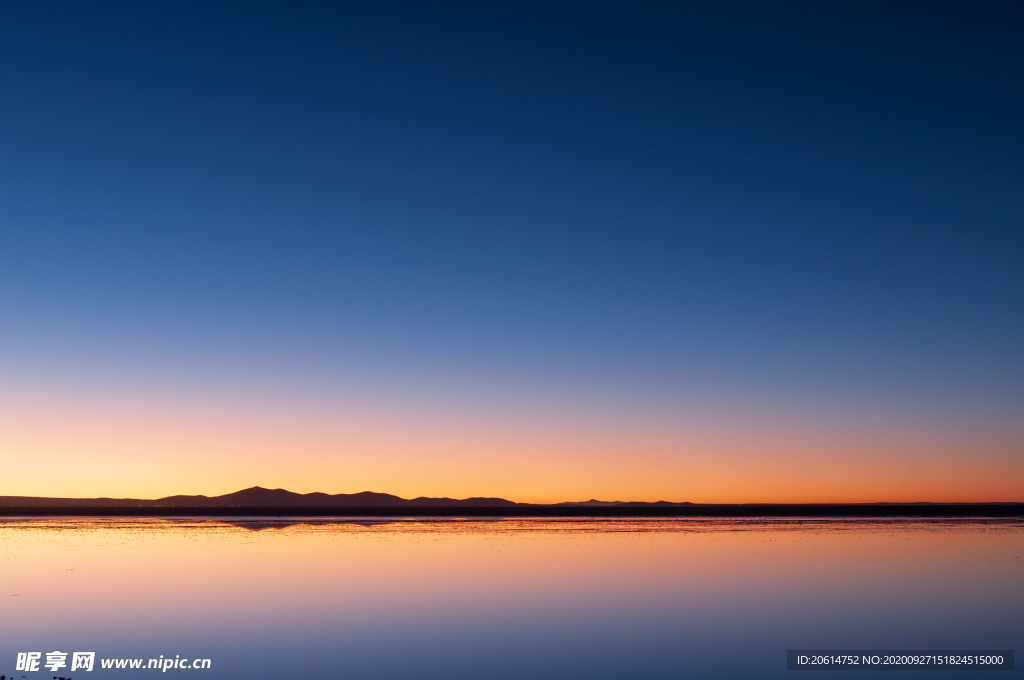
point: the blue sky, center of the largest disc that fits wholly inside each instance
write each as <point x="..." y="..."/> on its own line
<point x="812" y="204"/>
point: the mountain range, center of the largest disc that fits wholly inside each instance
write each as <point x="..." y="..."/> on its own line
<point x="282" y="502"/>
<point x="258" y="496"/>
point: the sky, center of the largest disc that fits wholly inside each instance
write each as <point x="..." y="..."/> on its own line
<point x="703" y="251"/>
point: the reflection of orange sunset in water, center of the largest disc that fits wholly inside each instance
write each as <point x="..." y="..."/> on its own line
<point x="82" y="449"/>
<point x="151" y="574"/>
<point x="408" y="597"/>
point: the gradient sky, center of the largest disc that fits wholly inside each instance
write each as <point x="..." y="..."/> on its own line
<point x="548" y="251"/>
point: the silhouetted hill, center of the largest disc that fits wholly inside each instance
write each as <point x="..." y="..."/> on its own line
<point x="258" y="497"/>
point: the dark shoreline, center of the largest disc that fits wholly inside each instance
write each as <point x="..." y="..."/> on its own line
<point x="695" y="510"/>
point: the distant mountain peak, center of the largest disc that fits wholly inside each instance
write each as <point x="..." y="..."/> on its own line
<point x="260" y="489"/>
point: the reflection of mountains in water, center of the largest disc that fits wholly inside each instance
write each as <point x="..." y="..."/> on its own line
<point x="265" y="524"/>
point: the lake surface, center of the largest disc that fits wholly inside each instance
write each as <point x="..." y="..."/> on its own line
<point x="524" y="598"/>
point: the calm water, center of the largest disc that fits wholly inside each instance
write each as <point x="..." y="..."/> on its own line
<point x="518" y="599"/>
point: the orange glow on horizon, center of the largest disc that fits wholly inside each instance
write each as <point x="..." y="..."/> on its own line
<point x="139" y="451"/>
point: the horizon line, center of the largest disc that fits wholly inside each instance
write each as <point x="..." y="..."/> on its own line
<point x="478" y="499"/>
